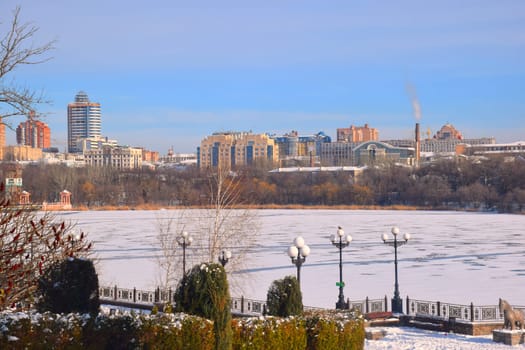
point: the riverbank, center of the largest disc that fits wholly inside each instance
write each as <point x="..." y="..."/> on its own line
<point x="152" y="206"/>
<point x="264" y="206"/>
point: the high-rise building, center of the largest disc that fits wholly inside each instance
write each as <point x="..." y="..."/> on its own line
<point x="33" y="133"/>
<point x="83" y="120"/>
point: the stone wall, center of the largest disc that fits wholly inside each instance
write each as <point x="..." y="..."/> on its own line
<point x="450" y="325"/>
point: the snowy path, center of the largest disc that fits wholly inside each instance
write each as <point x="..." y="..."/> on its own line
<point x="405" y="338"/>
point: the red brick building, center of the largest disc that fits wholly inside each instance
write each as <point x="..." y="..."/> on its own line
<point x="33" y="133"/>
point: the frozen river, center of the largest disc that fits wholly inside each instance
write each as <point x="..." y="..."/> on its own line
<point x="452" y="256"/>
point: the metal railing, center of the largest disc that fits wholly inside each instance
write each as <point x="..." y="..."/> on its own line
<point x="470" y="312"/>
<point x="369" y="305"/>
<point x="239" y="305"/>
<point x="146" y="299"/>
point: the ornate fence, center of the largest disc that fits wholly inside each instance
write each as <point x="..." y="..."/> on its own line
<point x="146" y="299"/>
<point x="369" y="305"/>
<point x="243" y="306"/>
<point x="134" y="296"/>
<point x="240" y="305"/>
<point x="470" y="313"/>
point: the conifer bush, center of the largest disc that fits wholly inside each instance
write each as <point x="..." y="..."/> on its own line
<point x="204" y="292"/>
<point x="69" y="286"/>
<point x="284" y="298"/>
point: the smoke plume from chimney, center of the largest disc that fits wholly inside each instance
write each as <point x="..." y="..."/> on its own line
<point x="416" y="107"/>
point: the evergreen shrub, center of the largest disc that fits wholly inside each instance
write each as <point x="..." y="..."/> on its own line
<point x="204" y="292"/>
<point x="69" y="286"/>
<point x="284" y="297"/>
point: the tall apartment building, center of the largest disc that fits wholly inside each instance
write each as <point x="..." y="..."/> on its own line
<point x="33" y="133"/>
<point x="230" y="149"/>
<point x="83" y="121"/>
<point x="357" y="134"/>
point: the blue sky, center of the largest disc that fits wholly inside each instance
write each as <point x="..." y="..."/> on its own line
<point x="168" y="73"/>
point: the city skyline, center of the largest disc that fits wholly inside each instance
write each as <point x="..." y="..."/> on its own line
<point x="169" y="74"/>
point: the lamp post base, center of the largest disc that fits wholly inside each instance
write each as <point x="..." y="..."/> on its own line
<point x="341" y="304"/>
<point x="397" y="305"/>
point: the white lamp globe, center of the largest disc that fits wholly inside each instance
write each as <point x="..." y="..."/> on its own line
<point x="395" y="230"/>
<point x="340" y="232"/>
<point x="332" y="238"/>
<point x="293" y="252"/>
<point x="305" y="250"/>
<point x="406" y="236"/>
<point x="348" y="238"/>
<point x="228" y="254"/>
<point x="384" y="237"/>
<point x="299" y="241"/>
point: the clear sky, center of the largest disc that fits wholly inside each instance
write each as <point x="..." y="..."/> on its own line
<point x="168" y="72"/>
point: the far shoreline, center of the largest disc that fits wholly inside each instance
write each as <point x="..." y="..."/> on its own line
<point x="281" y="207"/>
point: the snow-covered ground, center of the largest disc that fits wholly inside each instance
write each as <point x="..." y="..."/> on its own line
<point x="452" y="257"/>
<point x="417" y="339"/>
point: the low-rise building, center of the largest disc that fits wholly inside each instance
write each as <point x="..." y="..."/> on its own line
<point x="89" y="143"/>
<point x="230" y="149"/>
<point x="514" y="148"/>
<point x="371" y="152"/>
<point x="120" y="157"/>
<point x="21" y="153"/>
<point x="357" y="134"/>
<point x="337" y="153"/>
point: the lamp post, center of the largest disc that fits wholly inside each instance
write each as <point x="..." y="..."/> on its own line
<point x="184" y="240"/>
<point x="225" y="257"/>
<point x="340" y="241"/>
<point x="298" y="253"/>
<point x="397" y="302"/>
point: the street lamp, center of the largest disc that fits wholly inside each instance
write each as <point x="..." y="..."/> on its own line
<point x="397" y="302"/>
<point x="74" y="239"/>
<point x="225" y="257"/>
<point x="340" y="241"/>
<point x="298" y="253"/>
<point x="184" y="241"/>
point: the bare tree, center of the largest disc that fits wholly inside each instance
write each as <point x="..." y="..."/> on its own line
<point x="17" y="49"/>
<point x="169" y="225"/>
<point x="225" y="224"/>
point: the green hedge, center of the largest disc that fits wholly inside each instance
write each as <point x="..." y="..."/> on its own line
<point x="178" y="331"/>
<point x="269" y="333"/>
<point x="323" y="330"/>
<point x="335" y="333"/>
<point x="73" y="331"/>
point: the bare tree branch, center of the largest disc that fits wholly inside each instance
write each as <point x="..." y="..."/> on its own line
<point x="16" y="49"/>
<point x="29" y="244"/>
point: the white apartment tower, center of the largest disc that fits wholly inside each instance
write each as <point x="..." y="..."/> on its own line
<point x="83" y="120"/>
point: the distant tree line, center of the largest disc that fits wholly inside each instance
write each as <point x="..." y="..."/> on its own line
<point x="486" y="184"/>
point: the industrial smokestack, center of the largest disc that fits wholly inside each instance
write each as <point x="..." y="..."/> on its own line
<point x="418" y="144"/>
